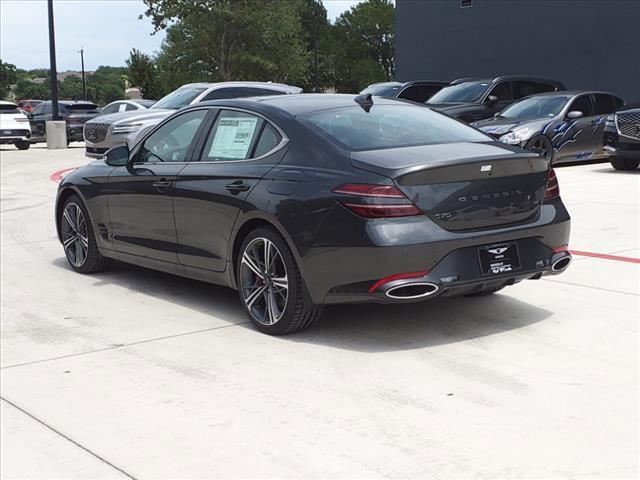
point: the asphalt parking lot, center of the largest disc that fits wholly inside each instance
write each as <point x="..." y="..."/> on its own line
<point x="133" y="373"/>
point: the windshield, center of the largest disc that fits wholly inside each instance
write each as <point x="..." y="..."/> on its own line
<point x="461" y="93"/>
<point x="179" y="98"/>
<point x="389" y="126"/>
<point x="384" y="90"/>
<point x="535" y="107"/>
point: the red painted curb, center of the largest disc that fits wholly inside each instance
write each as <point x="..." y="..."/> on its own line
<point x="604" y="256"/>
<point x="57" y="176"/>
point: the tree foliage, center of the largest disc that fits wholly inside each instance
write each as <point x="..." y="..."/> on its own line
<point x="143" y="74"/>
<point x="8" y="77"/>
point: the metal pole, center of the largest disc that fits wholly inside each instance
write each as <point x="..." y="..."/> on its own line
<point x="84" y="85"/>
<point x="52" y="61"/>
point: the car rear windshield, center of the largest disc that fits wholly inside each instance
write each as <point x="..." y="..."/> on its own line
<point x="386" y="90"/>
<point x="80" y="108"/>
<point x="535" y="107"/>
<point x="179" y="98"/>
<point x="461" y="93"/>
<point x="389" y="126"/>
<point x="8" y="109"/>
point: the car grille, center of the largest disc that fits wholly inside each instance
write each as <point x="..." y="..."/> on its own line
<point x="629" y="124"/>
<point x="95" y="132"/>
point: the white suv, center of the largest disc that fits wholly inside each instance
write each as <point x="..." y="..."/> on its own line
<point x="14" y="126"/>
<point x="107" y="131"/>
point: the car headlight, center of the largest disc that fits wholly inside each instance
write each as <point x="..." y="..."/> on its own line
<point x="127" y="128"/>
<point x="517" y="136"/>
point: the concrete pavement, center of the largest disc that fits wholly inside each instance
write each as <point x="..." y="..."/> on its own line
<point x="134" y="373"/>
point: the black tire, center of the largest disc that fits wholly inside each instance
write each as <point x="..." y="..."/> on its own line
<point x="23" y="145"/>
<point x="93" y="260"/>
<point x="541" y="145"/>
<point x="625" y="164"/>
<point x="484" y="293"/>
<point x="289" y="310"/>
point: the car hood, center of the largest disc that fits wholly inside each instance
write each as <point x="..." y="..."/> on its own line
<point x="500" y="126"/>
<point x="133" y="115"/>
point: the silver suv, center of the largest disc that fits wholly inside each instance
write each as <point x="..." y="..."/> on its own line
<point x="107" y="131"/>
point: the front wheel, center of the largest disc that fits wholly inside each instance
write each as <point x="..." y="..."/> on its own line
<point x="625" y="164"/>
<point x="23" y="145"/>
<point x="542" y="146"/>
<point x="270" y="285"/>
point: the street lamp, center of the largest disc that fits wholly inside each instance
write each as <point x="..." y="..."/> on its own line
<point x="52" y="60"/>
<point x="84" y="85"/>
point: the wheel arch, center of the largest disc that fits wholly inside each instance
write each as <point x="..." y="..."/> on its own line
<point x="62" y="197"/>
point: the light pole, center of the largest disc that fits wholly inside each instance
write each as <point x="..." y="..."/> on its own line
<point x="52" y="60"/>
<point x="84" y="85"/>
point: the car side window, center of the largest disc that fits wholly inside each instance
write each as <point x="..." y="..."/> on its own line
<point x="48" y="109"/>
<point x="418" y="93"/>
<point x="269" y="139"/>
<point x="618" y="101"/>
<point x="502" y="91"/>
<point x="39" y="110"/>
<point x="110" y="108"/>
<point x="582" y="104"/>
<point x="232" y="137"/>
<point x="128" y="107"/>
<point x="524" y="88"/>
<point x="171" y="142"/>
<point x="604" y="104"/>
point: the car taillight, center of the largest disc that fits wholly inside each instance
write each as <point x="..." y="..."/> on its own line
<point x="553" y="188"/>
<point x="375" y="201"/>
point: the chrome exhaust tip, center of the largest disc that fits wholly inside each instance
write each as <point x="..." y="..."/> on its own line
<point x="561" y="263"/>
<point x="412" y="291"/>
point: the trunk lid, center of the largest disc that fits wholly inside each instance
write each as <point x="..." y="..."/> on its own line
<point x="463" y="186"/>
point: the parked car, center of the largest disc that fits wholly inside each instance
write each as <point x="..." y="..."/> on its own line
<point x="127" y="106"/>
<point x="298" y="201"/>
<point x="561" y="126"/>
<point x="124" y="127"/>
<point x="28" y="105"/>
<point x="471" y="100"/>
<point x="75" y="114"/>
<point x="416" y="90"/>
<point x="14" y="126"/>
<point x="622" y="137"/>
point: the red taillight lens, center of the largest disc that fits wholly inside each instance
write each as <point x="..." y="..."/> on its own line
<point x="375" y="201"/>
<point x="553" y="188"/>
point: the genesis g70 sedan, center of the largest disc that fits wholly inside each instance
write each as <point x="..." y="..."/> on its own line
<point x="298" y="201"/>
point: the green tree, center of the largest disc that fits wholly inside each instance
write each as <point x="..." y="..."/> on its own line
<point x="142" y="73"/>
<point x="364" y="44"/>
<point x="233" y="39"/>
<point x="26" y="88"/>
<point x="316" y="35"/>
<point x="70" y="88"/>
<point x="8" y="77"/>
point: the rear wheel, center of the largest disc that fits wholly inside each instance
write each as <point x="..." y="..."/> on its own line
<point x="625" y="164"/>
<point x="542" y="146"/>
<point x="78" y="239"/>
<point x="23" y="145"/>
<point x="270" y="285"/>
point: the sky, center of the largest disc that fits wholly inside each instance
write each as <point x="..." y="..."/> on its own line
<point x="106" y="29"/>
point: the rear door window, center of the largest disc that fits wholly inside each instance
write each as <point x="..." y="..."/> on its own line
<point x="503" y="91"/>
<point x="524" y="88"/>
<point x="418" y="93"/>
<point x="232" y="137"/>
<point x="604" y="104"/>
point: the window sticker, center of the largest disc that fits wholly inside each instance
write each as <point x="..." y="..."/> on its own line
<point x="233" y="138"/>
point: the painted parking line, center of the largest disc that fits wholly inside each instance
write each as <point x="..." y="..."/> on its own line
<point x="605" y="256"/>
<point x="59" y="175"/>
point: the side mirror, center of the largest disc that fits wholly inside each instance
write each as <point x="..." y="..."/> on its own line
<point x="117" y="156"/>
<point x="491" y="100"/>
<point x="574" y="114"/>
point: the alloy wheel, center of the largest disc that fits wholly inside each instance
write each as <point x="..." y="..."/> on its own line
<point x="264" y="281"/>
<point x="74" y="235"/>
<point x="541" y="148"/>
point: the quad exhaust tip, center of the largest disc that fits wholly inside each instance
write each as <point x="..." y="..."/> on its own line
<point x="410" y="291"/>
<point x="560" y="264"/>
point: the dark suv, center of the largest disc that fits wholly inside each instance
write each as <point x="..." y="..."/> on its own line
<point x="473" y="99"/>
<point x="416" y="90"/>
<point x="622" y="137"/>
<point x="75" y="114"/>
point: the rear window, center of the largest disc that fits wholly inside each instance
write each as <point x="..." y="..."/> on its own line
<point x="389" y="126"/>
<point x="384" y="90"/>
<point x="8" y="109"/>
<point x="79" y="107"/>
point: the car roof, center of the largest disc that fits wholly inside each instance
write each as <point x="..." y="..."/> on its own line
<point x="282" y="87"/>
<point x="571" y="93"/>
<point x="425" y="82"/>
<point x="300" y="104"/>
<point x="503" y="78"/>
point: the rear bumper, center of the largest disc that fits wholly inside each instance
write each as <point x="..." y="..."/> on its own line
<point x="14" y="135"/>
<point x="346" y="274"/>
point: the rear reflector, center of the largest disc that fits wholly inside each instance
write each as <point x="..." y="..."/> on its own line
<point x="397" y="276"/>
<point x="375" y="201"/>
<point x="553" y="188"/>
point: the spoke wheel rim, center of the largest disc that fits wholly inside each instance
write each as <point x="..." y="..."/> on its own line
<point x="541" y="149"/>
<point x="264" y="281"/>
<point x="74" y="235"/>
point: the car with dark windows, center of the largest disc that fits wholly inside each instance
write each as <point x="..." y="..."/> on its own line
<point x="124" y="127"/>
<point x="415" y="90"/>
<point x="299" y="201"/>
<point x="28" y="105"/>
<point x="75" y="114"/>
<point x="127" y="105"/>
<point x="565" y="126"/>
<point x="622" y="137"/>
<point x="14" y="126"/>
<point x="470" y="99"/>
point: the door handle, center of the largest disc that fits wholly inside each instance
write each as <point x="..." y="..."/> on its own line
<point x="238" y="186"/>
<point x="162" y="184"/>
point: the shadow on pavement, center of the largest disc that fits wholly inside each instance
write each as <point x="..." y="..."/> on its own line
<point x="364" y="327"/>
